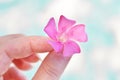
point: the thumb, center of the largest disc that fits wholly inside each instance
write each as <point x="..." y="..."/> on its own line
<point x="52" y="67"/>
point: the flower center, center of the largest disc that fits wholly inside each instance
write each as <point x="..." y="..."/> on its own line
<point x="63" y="38"/>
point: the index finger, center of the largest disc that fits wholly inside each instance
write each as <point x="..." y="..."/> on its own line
<point x="25" y="46"/>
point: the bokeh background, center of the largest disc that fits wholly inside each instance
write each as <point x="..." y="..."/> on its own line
<point x="100" y="56"/>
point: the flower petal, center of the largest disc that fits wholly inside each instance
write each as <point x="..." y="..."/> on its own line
<point x="78" y="33"/>
<point x="64" y="24"/>
<point x="71" y="48"/>
<point x="57" y="46"/>
<point x="50" y="29"/>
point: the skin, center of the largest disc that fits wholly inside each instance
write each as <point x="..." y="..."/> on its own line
<point x="21" y="51"/>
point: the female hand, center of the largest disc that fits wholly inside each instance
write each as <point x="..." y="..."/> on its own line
<point x="21" y="51"/>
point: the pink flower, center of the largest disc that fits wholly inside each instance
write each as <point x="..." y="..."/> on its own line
<point x="64" y="38"/>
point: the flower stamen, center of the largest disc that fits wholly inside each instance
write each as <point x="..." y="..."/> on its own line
<point x="63" y="38"/>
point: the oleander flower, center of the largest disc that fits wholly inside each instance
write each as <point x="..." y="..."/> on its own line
<point x="63" y="39"/>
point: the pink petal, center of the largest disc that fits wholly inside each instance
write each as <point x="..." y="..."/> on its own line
<point x="71" y="48"/>
<point x="64" y="24"/>
<point x="78" y="33"/>
<point x="50" y="29"/>
<point x="57" y="46"/>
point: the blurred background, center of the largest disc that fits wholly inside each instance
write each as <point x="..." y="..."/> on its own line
<point x="100" y="56"/>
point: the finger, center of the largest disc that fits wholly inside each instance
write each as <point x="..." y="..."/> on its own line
<point x="22" y="64"/>
<point x="25" y="46"/>
<point x="52" y="67"/>
<point x="32" y="58"/>
<point x="5" y="39"/>
<point x="13" y="74"/>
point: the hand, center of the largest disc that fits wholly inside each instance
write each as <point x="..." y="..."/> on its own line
<point x="21" y="51"/>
